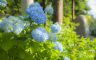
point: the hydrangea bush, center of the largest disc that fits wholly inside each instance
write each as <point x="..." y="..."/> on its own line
<point x="13" y="24"/>
<point x="3" y="3"/>
<point x="22" y="39"/>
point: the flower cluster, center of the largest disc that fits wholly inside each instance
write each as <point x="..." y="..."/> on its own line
<point x="53" y="37"/>
<point x="49" y="9"/>
<point x="36" y="13"/>
<point x="13" y="24"/>
<point x="55" y="28"/>
<point x="1" y="24"/>
<point x="3" y="3"/>
<point x="66" y="58"/>
<point x="40" y="34"/>
<point x="58" y="46"/>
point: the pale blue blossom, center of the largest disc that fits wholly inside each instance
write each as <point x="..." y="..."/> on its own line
<point x="66" y="58"/>
<point x="49" y="9"/>
<point x="53" y="37"/>
<point x="58" y="46"/>
<point x="55" y="28"/>
<point x="40" y="34"/>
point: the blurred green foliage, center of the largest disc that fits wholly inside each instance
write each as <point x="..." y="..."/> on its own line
<point x="24" y="47"/>
<point x="92" y="27"/>
<point x="81" y="7"/>
<point x="13" y="8"/>
<point x="77" y="48"/>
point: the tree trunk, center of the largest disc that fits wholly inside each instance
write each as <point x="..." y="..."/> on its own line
<point x="73" y="9"/>
<point x="43" y="4"/>
<point x="58" y="11"/>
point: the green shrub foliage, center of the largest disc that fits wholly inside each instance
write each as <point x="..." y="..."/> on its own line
<point x="24" y="47"/>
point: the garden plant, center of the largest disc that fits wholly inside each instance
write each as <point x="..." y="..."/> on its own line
<point x="27" y="37"/>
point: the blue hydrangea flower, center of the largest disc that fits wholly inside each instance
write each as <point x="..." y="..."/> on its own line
<point x="24" y="23"/>
<point x="40" y="34"/>
<point x="53" y="37"/>
<point x="58" y="46"/>
<point x="49" y="9"/>
<point x="19" y="25"/>
<point x="3" y="3"/>
<point x="1" y="24"/>
<point x="13" y="24"/>
<point x="18" y="28"/>
<point x="66" y="58"/>
<point x="36" y="13"/>
<point x="7" y="25"/>
<point x="55" y="28"/>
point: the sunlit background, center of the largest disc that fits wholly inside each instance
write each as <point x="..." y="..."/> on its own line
<point x="92" y="4"/>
